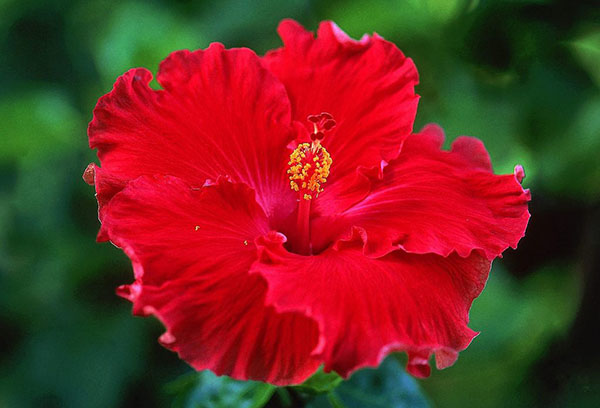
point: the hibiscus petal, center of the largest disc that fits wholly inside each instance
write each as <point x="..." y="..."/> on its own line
<point x="367" y="85"/>
<point x="220" y="113"/>
<point x="367" y="308"/>
<point x="434" y="201"/>
<point x="191" y="250"/>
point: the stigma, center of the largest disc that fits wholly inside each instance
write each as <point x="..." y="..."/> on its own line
<point x="309" y="163"/>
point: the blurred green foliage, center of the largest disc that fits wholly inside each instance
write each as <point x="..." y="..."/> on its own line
<point x="522" y="75"/>
<point x="320" y="382"/>
<point x="206" y="390"/>
<point x="387" y="386"/>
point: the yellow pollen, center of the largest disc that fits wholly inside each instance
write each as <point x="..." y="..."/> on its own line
<point x="309" y="168"/>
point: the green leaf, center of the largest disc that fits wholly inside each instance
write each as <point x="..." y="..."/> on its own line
<point x="426" y="16"/>
<point x="38" y="122"/>
<point x="206" y="390"/>
<point x="320" y="382"/>
<point x="576" y="172"/>
<point x="587" y="51"/>
<point x="388" y="386"/>
<point x="142" y="41"/>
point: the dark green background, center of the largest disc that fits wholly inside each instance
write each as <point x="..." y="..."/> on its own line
<point x="523" y="76"/>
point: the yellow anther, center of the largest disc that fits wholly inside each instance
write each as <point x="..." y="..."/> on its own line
<point x="304" y="177"/>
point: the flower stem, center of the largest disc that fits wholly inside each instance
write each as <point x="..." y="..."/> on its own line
<point x="303" y="226"/>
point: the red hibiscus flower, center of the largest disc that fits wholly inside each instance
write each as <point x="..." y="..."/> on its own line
<point x="280" y="215"/>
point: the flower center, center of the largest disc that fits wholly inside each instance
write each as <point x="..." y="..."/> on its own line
<point x="310" y="162"/>
<point x="309" y="168"/>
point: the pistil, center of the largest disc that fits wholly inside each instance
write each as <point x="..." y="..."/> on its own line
<point x="309" y="168"/>
<point x="303" y="227"/>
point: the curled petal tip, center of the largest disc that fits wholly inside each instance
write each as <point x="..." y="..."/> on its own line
<point x="166" y="339"/>
<point x="123" y="291"/>
<point x="445" y="358"/>
<point x="418" y="366"/>
<point x="89" y="173"/>
<point x="519" y="173"/>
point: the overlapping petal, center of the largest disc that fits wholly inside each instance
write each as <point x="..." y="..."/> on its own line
<point x="434" y="201"/>
<point x="368" y="307"/>
<point x="191" y="250"/>
<point x="220" y="113"/>
<point x="367" y="85"/>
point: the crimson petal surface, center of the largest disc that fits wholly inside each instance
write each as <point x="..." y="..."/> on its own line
<point x="367" y="85"/>
<point x="191" y="250"/>
<point x="368" y="307"/>
<point x="221" y="113"/>
<point x="435" y="201"/>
